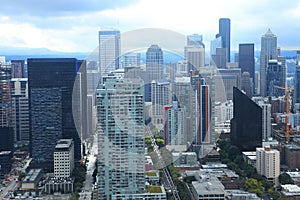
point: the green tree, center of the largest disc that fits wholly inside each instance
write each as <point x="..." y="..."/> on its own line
<point x="254" y="186"/>
<point x="285" y="179"/>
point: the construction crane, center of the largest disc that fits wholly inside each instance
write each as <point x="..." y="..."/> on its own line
<point x="287" y="111"/>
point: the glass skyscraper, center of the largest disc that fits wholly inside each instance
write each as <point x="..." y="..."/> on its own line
<point x="268" y="52"/>
<point x="109" y="50"/>
<point x="50" y="82"/>
<point x="120" y="116"/>
<point x="224" y="32"/>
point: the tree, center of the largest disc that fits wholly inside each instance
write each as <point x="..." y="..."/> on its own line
<point x="285" y="179"/>
<point x="254" y="186"/>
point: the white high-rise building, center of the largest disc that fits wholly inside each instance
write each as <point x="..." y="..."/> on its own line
<point x="120" y="117"/>
<point x="109" y="50"/>
<point x="268" y="163"/>
<point x="64" y="158"/>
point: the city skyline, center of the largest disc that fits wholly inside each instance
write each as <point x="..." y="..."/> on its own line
<point x="73" y="26"/>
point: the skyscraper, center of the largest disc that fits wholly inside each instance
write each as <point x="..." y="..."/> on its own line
<point x="20" y="109"/>
<point x="202" y="110"/>
<point x="275" y="73"/>
<point x="224" y="32"/>
<point x="194" y="52"/>
<point x="268" y="52"/>
<point x="246" y="61"/>
<point x="247" y="84"/>
<point x="246" y="125"/>
<point x="297" y="86"/>
<point x="5" y="95"/>
<point x="109" y="50"/>
<point x="50" y="82"/>
<point x="120" y="116"/>
<point x="154" y="68"/>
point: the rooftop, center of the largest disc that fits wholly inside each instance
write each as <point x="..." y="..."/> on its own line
<point x="32" y="175"/>
<point x="64" y="143"/>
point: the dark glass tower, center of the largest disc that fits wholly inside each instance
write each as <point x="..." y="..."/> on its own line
<point x="50" y="92"/>
<point x="246" y="61"/>
<point x="246" y="125"/>
<point x="224" y="32"/>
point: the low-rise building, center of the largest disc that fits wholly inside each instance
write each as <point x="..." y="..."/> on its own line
<point x="153" y="193"/>
<point x="63" y="185"/>
<point x="31" y="179"/>
<point x="250" y="157"/>
<point x="291" y="191"/>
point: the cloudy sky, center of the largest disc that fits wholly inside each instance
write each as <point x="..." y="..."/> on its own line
<point x="73" y="25"/>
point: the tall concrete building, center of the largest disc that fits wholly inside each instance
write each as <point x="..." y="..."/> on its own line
<point x="219" y="59"/>
<point x="120" y="116"/>
<point x="224" y="32"/>
<point x="268" y="52"/>
<point x="160" y="97"/>
<point x="50" y="82"/>
<point x="18" y="69"/>
<point x="194" y="52"/>
<point x="174" y="124"/>
<point x="64" y="158"/>
<point x="109" y="50"/>
<point x="268" y="163"/>
<point x="5" y="95"/>
<point x="266" y="117"/>
<point x="202" y="110"/>
<point x="247" y="84"/>
<point x="154" y="68"/>
<point x="246" y="61"/>
<point x="20" y="109"/>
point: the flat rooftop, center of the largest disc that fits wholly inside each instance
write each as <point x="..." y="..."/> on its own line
<point x="64" y="144"/>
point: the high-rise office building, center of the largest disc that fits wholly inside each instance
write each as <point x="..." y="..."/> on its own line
<point x="298" y="58"/>
<point x="174" y="124"/>
<point x="246" y="61"/>
<point x="268" y="163"/>
<point x="18" y="69"/>
<point x="275" y="76"/>
<point x="297" y="86"/>
<point x="20" y="109"/>
<point x="64" y="158"/>
<point x="268" y="51"/>
<point x="160" y="97"/>
<point x="247" y="84"/>
<point x="224" y="32"/>
<point x="6" y="138"/>
<point x="50" y="82"/>
<point x="194" y="52"/>
<point x="219" y="59"/>
<point x="154" y="68"/>
<point x="266" y="116"/>
<point x="109" y="50"/>
<point x="202" y="110"/>
<point x="246" y="125"/>
<point x="5" y="95"/>
<point x="214" y="44"/>
<point x="120" y="115"/>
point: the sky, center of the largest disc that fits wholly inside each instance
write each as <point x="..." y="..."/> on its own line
<point x="73" y="25"/>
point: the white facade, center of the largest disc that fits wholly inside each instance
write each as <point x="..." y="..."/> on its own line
<point x="268" y="163"/>
<point x="64" y="158"/>
<point x="109" y="49"/>
<point x="223" y="112"/>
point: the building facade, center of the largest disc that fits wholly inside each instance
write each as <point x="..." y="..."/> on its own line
<point x="51" y="83"/>
<point x="64" y="158"/>
<point x="268" y="51"/>
<point x="224" y="32"/>
<point x="120" y="115"/>
<point x="109" y="50"/>
<point x="268" y="163"/>
<point x="246" y="125"/>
